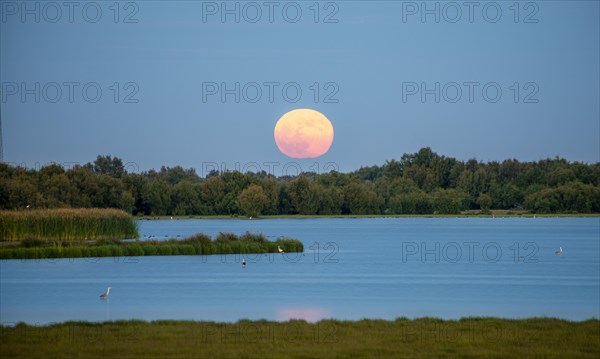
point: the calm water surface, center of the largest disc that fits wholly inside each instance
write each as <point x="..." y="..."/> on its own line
<point x="351" y="269"/>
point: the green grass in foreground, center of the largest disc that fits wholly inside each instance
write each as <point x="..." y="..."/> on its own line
<point x="198" y="244"/>
<point x="66" y="224"/>
<point x="402" y="338"/>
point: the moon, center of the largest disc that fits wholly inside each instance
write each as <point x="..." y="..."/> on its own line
<point x="303" y="133"/>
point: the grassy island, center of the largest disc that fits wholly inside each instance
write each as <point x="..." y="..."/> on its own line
<point x="77" y="233"/>
<point x="198" y="244"/>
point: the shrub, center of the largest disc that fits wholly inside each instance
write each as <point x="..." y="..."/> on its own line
<point x="135" y="250"/>
<point x="198" y="238"/>
<point x="73" y="252"/>
<point x="150" y="250"/>
<point x="164" y="250"/>
<point x="187" y="249"/>
<point x="226" y="237"/>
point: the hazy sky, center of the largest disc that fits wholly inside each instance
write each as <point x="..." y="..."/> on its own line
<point x="376" y="65"/>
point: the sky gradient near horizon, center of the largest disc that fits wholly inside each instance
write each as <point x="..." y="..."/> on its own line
<point x="491" y="81"/>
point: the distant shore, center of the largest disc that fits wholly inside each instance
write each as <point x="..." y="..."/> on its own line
<point x="368" y="338"/>
<point x="471" y="214"/>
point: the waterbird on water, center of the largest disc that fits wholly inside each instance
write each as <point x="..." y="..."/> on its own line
<point x="243" y="263"/>
<point x="105" y="295"/>
<point x="280" y="250"/>
<point x="559" y="251"/>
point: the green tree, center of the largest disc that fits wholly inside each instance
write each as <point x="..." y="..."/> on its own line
<point x="485" y="202"/>
<point x="185" y="198"/>
<point x="212" y="193"/>
<point x="158" y="197"/>
<point x="332" y="201"/>
<point x="253" y="200"/>
<point x="303" y="196"/>
<point x="360" y="199"/>
<point x="449" y="201"/>
<point x="272" y="190"/>
<point x="107" y="165"/>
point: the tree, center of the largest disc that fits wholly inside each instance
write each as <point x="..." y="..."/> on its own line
<point x="139" y="187"/>
<point x="272" y="190"/>
<point x="185" y="198"/>
<point x="485" y="202"/>
<point x="303" y="196"/>
<point x="361" y="200"/>
<point x="158" y="197"/>
<point x="332" y="200"/>
<point x="411" y="203"/>
<point x="253" y="200"/>
<point x="570" y="197"/>
<point x="212" y="193"/>
<point x="449" y="201"/>
<point x="174" y="175"/>
<point x="107" y="165"/>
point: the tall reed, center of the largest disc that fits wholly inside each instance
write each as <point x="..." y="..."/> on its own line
<point x="66" y="224"/>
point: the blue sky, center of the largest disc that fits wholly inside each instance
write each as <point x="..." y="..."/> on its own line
<point x="371" y="67"/>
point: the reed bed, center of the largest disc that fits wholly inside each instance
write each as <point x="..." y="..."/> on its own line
<point x="66" y="224"/>
<point x="198" y="244"/>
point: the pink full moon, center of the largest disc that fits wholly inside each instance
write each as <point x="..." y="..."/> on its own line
<point x="303" y="133"/>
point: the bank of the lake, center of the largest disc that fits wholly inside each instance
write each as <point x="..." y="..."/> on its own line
<point x="417" y="338"/>
<point x="467" y="214"/>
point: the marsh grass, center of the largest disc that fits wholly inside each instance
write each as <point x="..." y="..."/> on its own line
<point x="197" y="244"/>
<point x="401" y="338"/>
<point x="66" y="224"/>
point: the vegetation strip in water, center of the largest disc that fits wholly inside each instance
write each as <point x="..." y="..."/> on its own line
<point x="67" y="224"/>
<point x="401" y="338"/>
<point x="197" y="244"/>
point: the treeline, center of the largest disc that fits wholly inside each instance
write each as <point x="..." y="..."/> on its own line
<point x="418" y="183"/>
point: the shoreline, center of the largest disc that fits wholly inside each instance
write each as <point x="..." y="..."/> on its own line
<point x="273" y="321"/>
<point x="302" y="216"/>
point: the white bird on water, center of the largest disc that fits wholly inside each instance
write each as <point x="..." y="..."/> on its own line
<point x="280" y="250"/>
<point x="559" y="251"/>
<point x="105" y="295"/>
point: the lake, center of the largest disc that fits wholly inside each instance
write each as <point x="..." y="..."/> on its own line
<point x="351" y="269"/>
